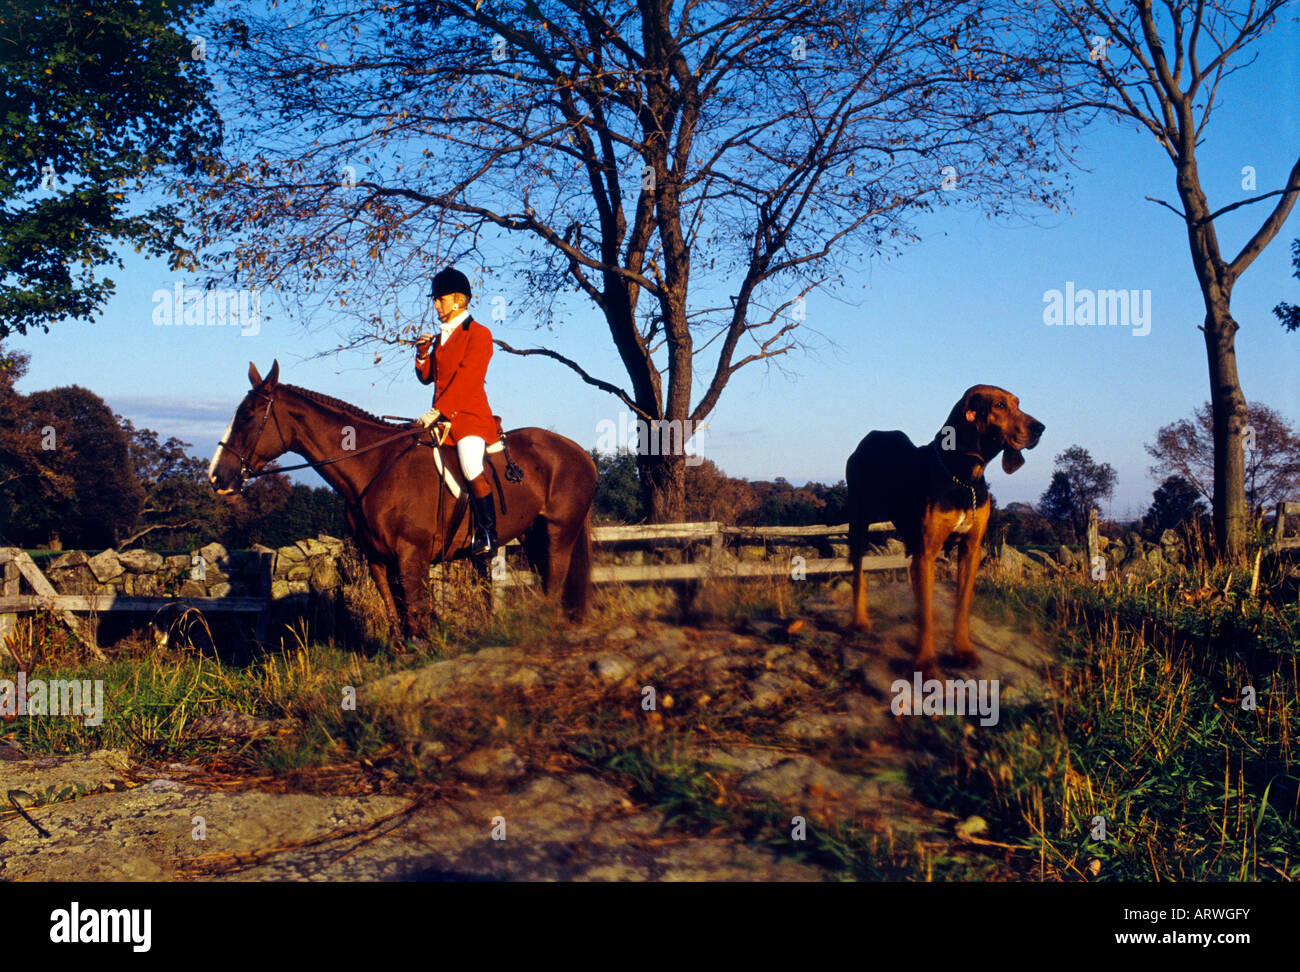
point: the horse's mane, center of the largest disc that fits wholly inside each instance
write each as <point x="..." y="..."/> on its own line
<point x="331" y="402"/>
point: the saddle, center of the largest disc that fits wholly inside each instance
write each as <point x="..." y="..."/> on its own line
<point x="447" y="462"/>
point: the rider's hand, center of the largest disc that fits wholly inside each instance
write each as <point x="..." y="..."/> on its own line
<point x="423" y="343"/>
<point x="429" y="417"/>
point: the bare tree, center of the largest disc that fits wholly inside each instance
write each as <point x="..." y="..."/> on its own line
<point x="692" y="171"/>
<point x="1272" y="454"/>
<point x="1161" y="65"/>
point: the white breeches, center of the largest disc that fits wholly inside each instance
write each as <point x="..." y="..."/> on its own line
<point x="470" y="450"/>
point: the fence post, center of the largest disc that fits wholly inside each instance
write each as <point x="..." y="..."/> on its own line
<point x="1094" y="543"/>
<point x="9" y="622"/>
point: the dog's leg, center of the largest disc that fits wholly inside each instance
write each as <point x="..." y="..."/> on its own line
<point x="968" y="562"/>
<point x="922" y="571"/>
<point x="860" y="620"/>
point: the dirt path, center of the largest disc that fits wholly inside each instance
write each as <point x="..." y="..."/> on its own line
<point x="791" y="716"/>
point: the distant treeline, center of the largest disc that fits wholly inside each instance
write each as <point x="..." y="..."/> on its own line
<point x="75" y="475"/>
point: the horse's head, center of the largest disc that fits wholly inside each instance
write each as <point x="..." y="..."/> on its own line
<point x="252" y="439"/>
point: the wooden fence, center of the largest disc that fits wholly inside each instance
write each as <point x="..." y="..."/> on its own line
<point x="16" y="567"/>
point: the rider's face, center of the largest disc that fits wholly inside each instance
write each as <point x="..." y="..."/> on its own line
<point x="449" y="305"/>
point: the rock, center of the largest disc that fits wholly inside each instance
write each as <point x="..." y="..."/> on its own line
<point x="333" y="545"/>
<point x="219" y="590"/>
<point x="228" y="724"/>
<point x="970" y="827"/>
<point x="288" y="555"/>
<point x="299" y="587"/>
<point x="312" y="547"/>
<point x="105" y="566"/>
<point x="799" y="780"/>
<point x="771" y="688"/>
<point x="1012" y="560"/>
<point x="140" y="561"/>
<point x="743" y="759"/>
<point x="429" y="749"/>
<point x="492" y="764"/>
<point x="214" y="553"/>
<point x="524" y="678"/>
<point x="841" y="587"/>
<point x="766" y="629"/>
<point x="625" y="633"/>
<point x="823" y="726"/>
<point x="612" y="667"/>
<point x="193" y="589"/>
<point x="894" y="546"/>
<point x="73" y="558"/>
<point x="298" y="572"/>
<point x="1155" y="557"/>
<point x="1169" y="538"/>
<point x="103" y="769"/>
<point x="178" y="562"/>
<point x="325" y="576"/>
<point x="279" y="589"/>
<point x="146" y="833"/>
<point x="1042" y="559"/>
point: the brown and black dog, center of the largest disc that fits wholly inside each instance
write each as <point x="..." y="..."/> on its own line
<point x="930" y="492"/>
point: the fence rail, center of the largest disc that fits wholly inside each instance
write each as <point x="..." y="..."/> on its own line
<point x="17" y="567"/>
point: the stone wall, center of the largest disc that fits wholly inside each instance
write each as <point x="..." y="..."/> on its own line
<point x="305" y="567"/>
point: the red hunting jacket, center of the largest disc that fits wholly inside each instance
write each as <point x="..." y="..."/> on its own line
<point x="458" y="371"/>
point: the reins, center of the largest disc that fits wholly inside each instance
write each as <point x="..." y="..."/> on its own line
<point x="246" y="472"/>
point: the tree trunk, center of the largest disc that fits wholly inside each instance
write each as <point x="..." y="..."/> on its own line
<point x="663" y="486"/>
<point x="1229" y="419"/>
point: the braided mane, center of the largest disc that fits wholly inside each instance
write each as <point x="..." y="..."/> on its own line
<point x="338" y="403"/>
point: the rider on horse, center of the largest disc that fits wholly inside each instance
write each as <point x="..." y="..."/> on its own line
<point x="458" y="369"/>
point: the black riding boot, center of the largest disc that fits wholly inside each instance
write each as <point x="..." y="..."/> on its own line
<point x="484" y="542"/>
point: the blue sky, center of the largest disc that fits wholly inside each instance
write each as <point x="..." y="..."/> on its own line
<point x="893" y="348"/>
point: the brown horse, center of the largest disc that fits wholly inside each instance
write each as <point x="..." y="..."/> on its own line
<point x="399" y="510"/>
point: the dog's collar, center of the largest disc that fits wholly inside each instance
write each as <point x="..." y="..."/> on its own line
<point x="934" y="447"/>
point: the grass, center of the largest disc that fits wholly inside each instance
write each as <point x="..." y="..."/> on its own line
<point x="1146" y="734"/>
<point x="1143" y="728"/>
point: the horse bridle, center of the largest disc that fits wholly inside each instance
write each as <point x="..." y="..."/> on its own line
<point x="247" y="472"/>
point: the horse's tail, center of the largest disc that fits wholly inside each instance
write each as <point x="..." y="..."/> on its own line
<point x="577" y="582"/>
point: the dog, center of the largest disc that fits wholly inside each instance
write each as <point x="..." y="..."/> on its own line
<point x="930" y="492"/>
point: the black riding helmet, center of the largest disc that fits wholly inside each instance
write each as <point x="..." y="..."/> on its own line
<point x="450" y="281"/>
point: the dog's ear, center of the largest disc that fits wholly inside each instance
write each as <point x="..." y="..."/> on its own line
<point x="975" y="408"/>
<point x="1011" y="460"/>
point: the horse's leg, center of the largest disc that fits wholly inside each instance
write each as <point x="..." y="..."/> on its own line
<point x="577" y="580"/>
<point x="379" y="574"/>
<point x="560" y="541"/>
<point x="537" y="550"/>
<point x="414" y="573"/>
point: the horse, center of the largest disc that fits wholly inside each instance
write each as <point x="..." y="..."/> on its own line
<point x="385" y="473"/>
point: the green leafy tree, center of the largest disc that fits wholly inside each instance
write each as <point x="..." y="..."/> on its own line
<point x="618" y="488"/>
<point x="98" y="98"/>
<point x="86" y="494"/>
<point x="1078" y="485"/>
<point x="1174" y="501"/>
<point x="180" y="508"/>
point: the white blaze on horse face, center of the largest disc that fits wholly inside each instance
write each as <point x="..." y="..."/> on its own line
<point x="216" y="456"/>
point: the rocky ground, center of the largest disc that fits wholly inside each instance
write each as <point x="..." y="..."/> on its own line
<point x="787" y="713"/>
